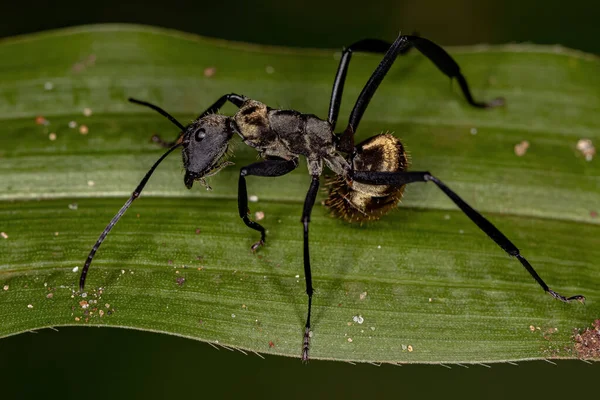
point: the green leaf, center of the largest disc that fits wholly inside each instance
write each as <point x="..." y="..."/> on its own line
<point x="427" y="284"/>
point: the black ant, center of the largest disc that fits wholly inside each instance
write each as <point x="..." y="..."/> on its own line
<point x="371" y="176"/>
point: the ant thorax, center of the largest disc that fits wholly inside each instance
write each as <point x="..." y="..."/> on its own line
<point x="287" y="134"/>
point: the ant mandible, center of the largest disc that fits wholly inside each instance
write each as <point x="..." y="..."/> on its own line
<point x="371" y="176"/>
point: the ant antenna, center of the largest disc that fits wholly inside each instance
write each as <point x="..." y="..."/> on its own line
<point x="159" y="110"/>
<point x="134" y="195"/>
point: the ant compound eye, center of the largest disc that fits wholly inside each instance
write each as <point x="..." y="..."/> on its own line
<point x="200" y="134"/>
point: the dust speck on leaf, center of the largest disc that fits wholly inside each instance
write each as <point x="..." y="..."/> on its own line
<point x="521" y="148"/>
<point x="210" y="72"/>
<point x="363" y="295"/>
<point x="83" y="129"/>
<point x="271" y="344"/>
<point x="39" y="120"/>
<point x="5" y="287"/>
<point x="73" y="206"/>
<point x="30" y="306"/>
<point x="586" y="147"/>
<point x="259" y="215"/>
<point x="4" y="235"/>
<point x="180" y="280"/>
<point x="50" y="295"/>
<point x="52" y="136"/>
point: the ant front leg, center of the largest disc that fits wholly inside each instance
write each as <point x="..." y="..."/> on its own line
<point x="235" y="99"/>
<point x="404" y="178"/>
<point x="267" y="168"/>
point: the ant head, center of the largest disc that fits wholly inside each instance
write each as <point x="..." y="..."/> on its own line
<point x="205" y="143"/>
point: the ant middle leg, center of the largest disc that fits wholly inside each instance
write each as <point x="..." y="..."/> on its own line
<point x="435" y="53"/>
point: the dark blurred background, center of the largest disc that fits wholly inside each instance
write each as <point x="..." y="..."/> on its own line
<point x="331" y="24"/>
<point x="112" y="363"/>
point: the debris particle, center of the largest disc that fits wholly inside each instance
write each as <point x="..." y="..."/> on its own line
<point x="198" y="231"/>
<point x="349" y="340"/>
<point x="532" y="328"/>
<point x="461" y="231"/>
<point x="310" y="334"/>
<point x="372" y="328"/>
<point x="72" y="124"/>
<point x="91" y="183"/>
<point x="209" y="72"/>
<point x="473" y="131"/>
<point x="83" y="129"/>
<point x="75" y="269"/>
<point x="101" y="313"/>
<point x="430" y="299"/>
<point x="253" y="198"/>
<point x="379" y="247"/>
<point x="107" y="305"/>
<point x="87" y="111"/>
<point x="5" y="287"/>
<point x="4" y="235"/>
<point x="39" y="120"/>
<point x="55" y="233"/>
<point x="358" y="319"/>
<point x="404" y="347"/>
<point x="409" y="348"/>
<point x="587" y="344"/>
<point x="297" y="276"/>
<point x="593" y="214"/>
<point x="122" y="272"/>
<point x="50" y="295"/>
<point x="521" y="148"/>
<point x="52" y="136"/>
<point x="180" y="280"/>
<point x="259" y="215"/>
<point x="271" y="344"/>
<point x="48" y="85"/>
<point x="73" y="206"/>
<point x="29" y="306"/>
<point x="77" y="319"/>
<point x="586" y="147"/>
<point x="270" y="69"/>
<point x="232" y="315"/>
<point x="84" y="304"/>
<point x="84" y="295"/>
<point x="363" y="295"/>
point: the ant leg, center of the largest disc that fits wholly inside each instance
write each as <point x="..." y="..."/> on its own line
<point x="403" y="178"/>
<point x="366" y="46"/>
<point x="308" y="205"/>
<point x="435" y="53"/>
<point x="236" y="99"/>
<point x="268" y="168"/>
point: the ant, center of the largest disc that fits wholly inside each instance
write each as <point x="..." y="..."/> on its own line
<point x="371" y="176"/>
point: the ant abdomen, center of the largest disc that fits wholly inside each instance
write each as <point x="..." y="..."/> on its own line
<point x="359" y="202"/>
